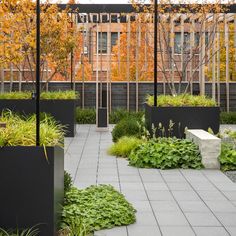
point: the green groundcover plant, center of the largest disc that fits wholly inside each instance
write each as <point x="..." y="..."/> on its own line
<point x="228" y="117"/>
<point x="166" y="153"/>
<point x="67" y="94"/>
<point x="96" y="208"/>
<point x="181" y="100"/>
<point x="21" y="131"/>
<point x="228" y="157"/>
<point x="124" y="146"/>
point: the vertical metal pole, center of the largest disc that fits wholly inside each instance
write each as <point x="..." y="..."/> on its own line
<point x="71" y="59"/>
<point x="38" y="73"/>
<point x="155" y="52"/>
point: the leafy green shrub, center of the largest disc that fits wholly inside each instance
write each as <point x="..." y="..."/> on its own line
<point x="67" y="94"/>
<point x="67" y="181"/>
<point x="124" y="146"/>
<point x="126" y="127"/>
<point x="228" y="117"/>
<point x="227" y="157"/>
<point x="85" y="116"/>
<point x="88" y="115"/>
<point x="98" y="207"/>
<point x="120" y="114"/>
<point x="181" y="100"/>
<point x="22" y="132"/>
<point x="166" y="153"/>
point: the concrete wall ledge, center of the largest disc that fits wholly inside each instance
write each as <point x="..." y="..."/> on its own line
<point x="209" y="146"/>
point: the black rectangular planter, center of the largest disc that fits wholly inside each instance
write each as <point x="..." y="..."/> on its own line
<point x="182" y="117"/>
<point x="62" y="110"/>
<point x="102" y="117"/>
<point x="32" y="188"/>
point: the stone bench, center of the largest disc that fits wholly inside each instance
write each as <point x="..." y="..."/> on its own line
<point x="209" y="146"/>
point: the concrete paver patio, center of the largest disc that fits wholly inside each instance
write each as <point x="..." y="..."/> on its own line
<point x="168" y="202"/>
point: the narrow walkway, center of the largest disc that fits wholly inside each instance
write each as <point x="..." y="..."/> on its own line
<point x="168" y="202"/>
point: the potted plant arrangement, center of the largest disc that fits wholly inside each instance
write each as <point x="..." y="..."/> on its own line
<point x="59" y="104"/>
<point x="31" y="177"/>
<point x="173" y="114"/>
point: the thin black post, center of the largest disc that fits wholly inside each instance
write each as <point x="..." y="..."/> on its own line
<point x="155" y="52"/>
<point x="38" y="73"/>
<point x="71" y="59"/>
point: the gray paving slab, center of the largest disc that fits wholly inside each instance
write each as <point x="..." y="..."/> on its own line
<point x="168" y="202"/>
<point x="207" y="231"/>
<point x="177" y="231"/>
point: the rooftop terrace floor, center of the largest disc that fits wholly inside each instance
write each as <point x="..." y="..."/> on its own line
<point x="168" y="202"/>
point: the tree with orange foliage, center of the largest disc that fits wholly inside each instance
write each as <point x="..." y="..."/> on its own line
<point x="136" y="47"/>
<point x="58" y="38"/>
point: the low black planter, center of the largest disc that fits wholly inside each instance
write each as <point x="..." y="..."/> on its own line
<point x="182" y="117"/>
<point x="62" y="110"/>
<point x="102" y="117"/>
<point x="32" y="188"/>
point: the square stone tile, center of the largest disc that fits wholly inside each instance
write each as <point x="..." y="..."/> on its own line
<point x="193" y="206"/>
<point x="117" y="231"/>
<point x="171" y="219"/>
<point x="179" y="186"/>
<point x="135" y="230"/>
<point x="174" y="178"/>
<point x="157" y="195"/>
<point x="203" y="186"/>
<point x="202" y="219"/>
<point x="177" y="231"/>
<point x="221" y="206"/>
<point x="211" y="195"/>
<point x="141" y="206"/>
<point x="227" y="218"/>
<point x="231" y="195"/>
<point x="185" y="195"/>
<point x="165" y="206"/>
<point x="134" y="194"/>
<point x="208" y="231"/>
<point x="132" y="186"/>
<point x="231" y="230"/>
<point x="145" y="218"/>
<point x="155" y="186"/>
<point x="130" y="178"/>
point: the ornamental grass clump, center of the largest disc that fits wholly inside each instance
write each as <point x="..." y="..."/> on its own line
<point x="166" y="153"/>
<point x="21" y="131"/>
<point x="96" y="208"/>
<point x="181" y="101"/>
<point x="64" y="95"/>
<point x="124" y="146"/>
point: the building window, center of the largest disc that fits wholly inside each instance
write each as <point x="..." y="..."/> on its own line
<point x="177" y="42"/>
<point x="114" y="38"/>
<point x="102" y="42"/>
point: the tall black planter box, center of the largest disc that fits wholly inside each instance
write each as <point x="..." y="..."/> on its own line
<point x="32" y="188"/>
<point x="182" y="117"/>
<point x="62" y="110"/>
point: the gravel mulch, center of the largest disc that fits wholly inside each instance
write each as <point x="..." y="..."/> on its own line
<point x="231" y="175"/>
